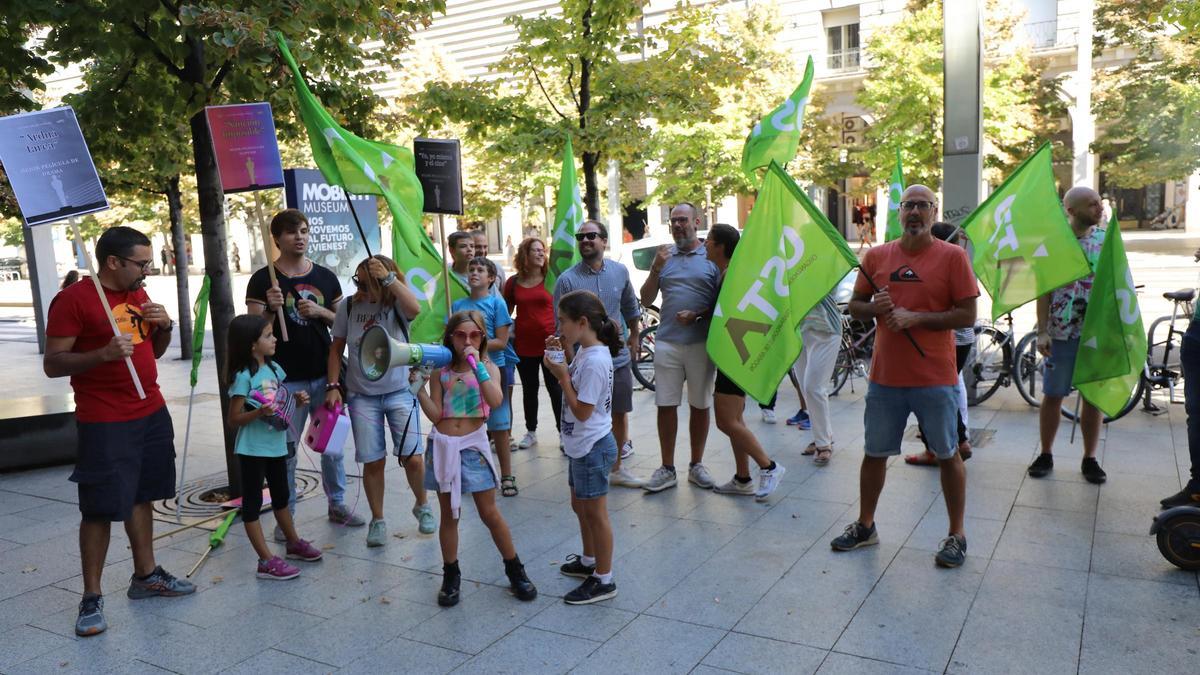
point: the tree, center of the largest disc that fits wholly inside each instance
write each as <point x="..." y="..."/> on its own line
<point x="1147" y="109"/>
<point x="903" y="93"/>
<point x="210" y="52"/>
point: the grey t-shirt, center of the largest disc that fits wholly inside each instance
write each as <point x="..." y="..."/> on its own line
<point x="688" y="281"/>
<point x="351" y="328"/>
<point x="611" y="283"/>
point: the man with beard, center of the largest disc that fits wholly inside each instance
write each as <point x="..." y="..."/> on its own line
<point x="126" y="451"/>
<point x="917" y="289"/>
<point x="689" y="284"/>
<point x="609" y="280"/>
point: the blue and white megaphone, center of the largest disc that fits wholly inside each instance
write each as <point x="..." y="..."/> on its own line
<point x="378" y="352"/>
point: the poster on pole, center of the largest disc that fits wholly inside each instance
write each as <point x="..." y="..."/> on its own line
<point x="439" y="168"/>
<point x="243" y="138"/>
<point x="49" y="166"/>
<point x="334" y="241"/>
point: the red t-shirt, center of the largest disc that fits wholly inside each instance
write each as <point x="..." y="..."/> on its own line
<point x="106" y="392"/>
<point x="535" y="316"/>
<point x="934" y="279"/>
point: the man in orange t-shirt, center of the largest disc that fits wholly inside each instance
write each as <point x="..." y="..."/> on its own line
<point x="917" y="289"/>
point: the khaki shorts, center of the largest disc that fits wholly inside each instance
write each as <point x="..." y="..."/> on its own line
<point x="676" y="363"/>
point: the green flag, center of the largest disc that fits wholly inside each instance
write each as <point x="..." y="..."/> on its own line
<point x="789" y="258"/>
<point x="895" y="194"/>
<point x="1024" y="246"/>
<point x="201" y="312"/>
<point x="777" y="136"/>
<point x="367" y="167"/>
<point x="1112" y="344"/>
<point x="568" y="215"/>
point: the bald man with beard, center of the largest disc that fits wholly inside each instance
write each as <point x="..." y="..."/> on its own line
<point x="917" y="289"/>
<point x="1060" y="319"/>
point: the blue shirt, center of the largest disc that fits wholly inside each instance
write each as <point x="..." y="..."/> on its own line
<point x="688" y="281"/>
<point x="611" y="283"/>
<point x="495" y="316"/>
<point x="259" y="439"/>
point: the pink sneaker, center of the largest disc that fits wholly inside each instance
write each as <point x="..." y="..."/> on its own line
<point x="277" y="569"/>
<point x="303" y="550"/>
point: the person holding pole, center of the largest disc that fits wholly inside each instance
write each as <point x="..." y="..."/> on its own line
<point x="308" y="294"/>
<point x="126" y="452"/>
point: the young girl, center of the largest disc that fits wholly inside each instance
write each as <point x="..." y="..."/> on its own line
<point x="260" y="447"/>
<point x="458" y="459"/>
<point x="587" y="437"/>
<point x="384" y="299"/>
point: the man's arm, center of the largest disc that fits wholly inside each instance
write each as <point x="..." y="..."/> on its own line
<point x="1043" y="324"/>
<point x="60" y="361"/>
<point x="649" y="291"/>
<point x="161" y="340"/>
<point x="962" y="316"/>
<point x="862" y="307"/>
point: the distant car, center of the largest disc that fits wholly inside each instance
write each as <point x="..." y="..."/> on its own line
<point x="11" y="268"/>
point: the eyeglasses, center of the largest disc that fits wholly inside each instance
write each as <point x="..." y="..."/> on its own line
<point x="682" y="220"/>
<point x="144" y="264"/>
<point x="587" y="236"/>
<point x="466" y="335"/>
<point x="916" y="205"/>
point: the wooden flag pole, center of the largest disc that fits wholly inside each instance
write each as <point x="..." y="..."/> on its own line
<point x="269" y="247"/>
<point x="112" y="321"/>
<point x="445" y="262"/>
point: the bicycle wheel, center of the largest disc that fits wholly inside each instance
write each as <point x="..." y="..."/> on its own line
<point x="1164" y="368"/>
<point x="650" y="317"/>
<point x="1027" y="370"/>
<point x="989" y="367"/>
<point x="1068" y="409"/>
<point x="643" y="361"/>
<point x="843" y="367"/>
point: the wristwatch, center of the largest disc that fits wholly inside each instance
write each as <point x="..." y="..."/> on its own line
<point x="388" y="280"/>
<point x="170" y="327"/>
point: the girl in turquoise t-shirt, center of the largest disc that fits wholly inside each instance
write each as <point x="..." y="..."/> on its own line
<point x="260" y="447"/>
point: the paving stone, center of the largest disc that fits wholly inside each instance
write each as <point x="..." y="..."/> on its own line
<point x="1133" y="625"/>
<point x="657" y="565"/>
<point x="528" y="650"/>
<point x="23" y="643"/>
<point x="35" y="604"/>
<point x="1058" y="495"/>
<point x="1137" y="557"/>
<point x="477" y="621"/>
<point x="274" y="661"/>
<point x="651" y="644"/>
<point x="848" y="664"/>
<point x="982" y="534"/>
<point x="406" y="656"/>
<point x="341" y="639"/>
<point x="592" y="622"/>
<point x="749" y="654"/>
<point x="1047" y="537"/>
<point x="83" y="656"/>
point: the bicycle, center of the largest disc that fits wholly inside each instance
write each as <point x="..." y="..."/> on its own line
<point x="643" y="359"/>
<point x="854" y="357"/>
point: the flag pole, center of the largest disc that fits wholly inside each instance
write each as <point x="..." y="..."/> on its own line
<point x="906" y="331"/>
<point x="1075" y="422"/>
<point x="269" y="247"/>
<point x="361" y="232"/>
<point x="187" y="435"/>
<point x="445" y="261"/>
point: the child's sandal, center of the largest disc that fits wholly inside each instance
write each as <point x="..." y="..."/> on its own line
<point x="508" y="486"/>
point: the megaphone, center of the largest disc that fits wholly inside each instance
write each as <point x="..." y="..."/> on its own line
<point x="379" y="352"/>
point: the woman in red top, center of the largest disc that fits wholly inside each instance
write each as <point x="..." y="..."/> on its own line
<point x="526" y="292"/>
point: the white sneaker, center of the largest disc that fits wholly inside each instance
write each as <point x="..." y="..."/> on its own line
<point x="768" y="480"/>
<point x="622" y="478"/>
<point x="627" y="450"/>
<point x="660" y="480"/>
<point x="733" y="487"/>
<point x="527" y="441"/>
<point x="768" y="415"/>
<point x="698" y="475"/>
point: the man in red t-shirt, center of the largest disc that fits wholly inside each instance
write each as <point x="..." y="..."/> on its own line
<point x="917" y="289"/>
<point x="126" y="452"/>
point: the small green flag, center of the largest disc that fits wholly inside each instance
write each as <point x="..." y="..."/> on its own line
<point x="1112" y="343"/>
<point x="368" y="167"/>
<point x="895" y="194"/>
<point x="1024" y="246"/>
<point x="789" y="258"/>
<point x="201" y="311"/>
<point x="568" y="216"/>
<point x="777" y="136"/>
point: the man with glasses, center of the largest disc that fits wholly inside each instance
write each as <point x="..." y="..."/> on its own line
<point x="918" y="289"/>
<point x="689" y="282"/>
<point x="609" y="280"/>
<point x="308" y="294"/>
<point x="126" y="450"/>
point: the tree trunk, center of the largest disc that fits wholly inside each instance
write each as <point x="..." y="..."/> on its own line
<point x="591" y="194"/>
<point x="591" y="159"/>
<point x="179" y="243"/>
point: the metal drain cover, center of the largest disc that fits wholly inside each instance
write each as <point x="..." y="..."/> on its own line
<point x="191" y="504"/>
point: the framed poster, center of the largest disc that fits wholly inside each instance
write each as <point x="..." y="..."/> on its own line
<point x="439" y="168"/>
<point x="49" y="166"/>
<point x="243" y="138"/>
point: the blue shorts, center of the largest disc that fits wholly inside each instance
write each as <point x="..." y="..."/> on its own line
<point x="1059" y="368"/>
<point x="367" y="417"/>
<point x="500" y="418"/>
<point x="476" y="475"/>
<point x="588" y="475"/>
<point x="887" y="413"/>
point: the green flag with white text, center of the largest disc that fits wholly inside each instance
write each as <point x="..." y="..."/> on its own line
<point x="1112" y="343"/>
<point x="895" y="194"/>
<point x="789" y="258"/>
<point x="568" y="216"/>
<point x="368" y="167"/>
<point x="201" y="312"/>
<point x="777" y="136"/>
<point x="1024" y="246"/>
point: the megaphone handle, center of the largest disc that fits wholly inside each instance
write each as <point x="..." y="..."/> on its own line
<point x="471" y="362"/>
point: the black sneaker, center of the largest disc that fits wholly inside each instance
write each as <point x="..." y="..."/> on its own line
<point x="1041" y="466"/>
<point x="1184" y="497"/>
<point x="855" y="536"/>
<point x="574" y="567"/>
<point x="1092" y="471"/>
<point x="591" y="590"/>
<point x="91" y="616"/>
<point x="953" y="551"/>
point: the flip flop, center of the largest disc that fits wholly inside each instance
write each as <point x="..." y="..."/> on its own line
<point x="922" y="459"/>
<point x="823" y="456"/>
<point x="810" y="450"/>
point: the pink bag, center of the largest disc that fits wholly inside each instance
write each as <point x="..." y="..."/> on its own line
<point x="327" y="430"/>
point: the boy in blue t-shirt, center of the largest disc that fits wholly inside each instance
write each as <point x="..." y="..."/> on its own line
<point x="481" y="274"/>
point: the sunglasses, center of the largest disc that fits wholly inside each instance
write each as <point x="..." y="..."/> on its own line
<point x="587" y="236"/>
<point x="466" y="335"/>
<point x="144" y="264"/>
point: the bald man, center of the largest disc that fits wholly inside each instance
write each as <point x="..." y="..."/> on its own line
<point x="916" y="289"/>
<point x="1060" y="320"/>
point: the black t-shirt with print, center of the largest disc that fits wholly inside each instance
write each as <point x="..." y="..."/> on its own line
<point x="303" y="355"/>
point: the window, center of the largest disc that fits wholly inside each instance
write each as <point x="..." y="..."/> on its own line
<point x="842" y="47"/>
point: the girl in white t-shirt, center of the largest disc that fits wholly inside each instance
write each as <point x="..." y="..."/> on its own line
<point x="587" y="437"/>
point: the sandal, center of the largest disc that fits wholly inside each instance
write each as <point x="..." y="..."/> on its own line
<point x="964" y="449"/>
<point x="508" y="486"/>
<point x="810" y="450"/>
<point x="923" y="459"/>
<point x="823" y="456"/>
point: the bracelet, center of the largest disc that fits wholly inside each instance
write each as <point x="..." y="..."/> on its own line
<point x="331" y="386"/>
<point x="481" y="373"/>
<point x="388" y="280"/>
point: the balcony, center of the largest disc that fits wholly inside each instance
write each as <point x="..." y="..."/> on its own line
<point x="1045" y="35"/>
<point x="845" y="61"/>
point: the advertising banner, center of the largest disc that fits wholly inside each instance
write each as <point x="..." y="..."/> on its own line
<point x="243" y="138"/>
<point x="334" y="241"/>
<point x="49" y="166"/>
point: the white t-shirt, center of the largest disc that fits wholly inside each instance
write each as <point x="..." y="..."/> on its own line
<point x="592" y="376"/>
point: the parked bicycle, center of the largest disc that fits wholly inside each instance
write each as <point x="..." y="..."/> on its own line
<point x="992" y="363"/>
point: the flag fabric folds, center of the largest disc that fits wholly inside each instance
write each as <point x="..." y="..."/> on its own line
<point x="777" y="136"/>
<point x="790" y="257"/>
<point x="1112" y="342"/>
<point x="368" y="167"/>
<point x="568" y="216"/>
<point x="1024" y="246"/>
<point x="895" y="194"/>
<point x="201" y="311"/>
